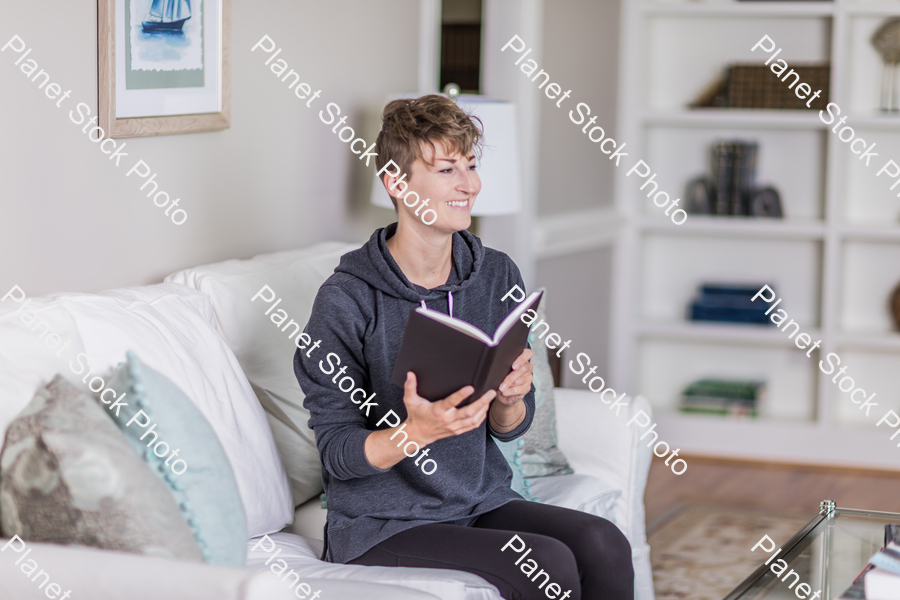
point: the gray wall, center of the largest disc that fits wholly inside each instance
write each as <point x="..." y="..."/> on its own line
<point x="277" y="179"/>
<point x="461" y="11"/>
<point x="578" y="307"/>
<point x="580" y="51"/>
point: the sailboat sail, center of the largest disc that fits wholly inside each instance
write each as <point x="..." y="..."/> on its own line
<point x="168" y="15"/>
<point x="156" y="9"/>
<point x="178" y="10"/>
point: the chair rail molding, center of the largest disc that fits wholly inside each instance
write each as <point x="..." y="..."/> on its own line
<point x="576" y="231"/>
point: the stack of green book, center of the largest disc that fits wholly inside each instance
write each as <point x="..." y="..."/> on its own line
<point x="730" y="397"/>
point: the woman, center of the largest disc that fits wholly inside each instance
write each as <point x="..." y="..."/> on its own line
<point x="385" y="506"/>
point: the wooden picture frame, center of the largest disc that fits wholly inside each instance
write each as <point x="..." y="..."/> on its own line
<point x="152" y="124"/>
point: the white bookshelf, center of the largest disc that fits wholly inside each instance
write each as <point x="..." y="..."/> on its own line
<point x="834" y="259"/>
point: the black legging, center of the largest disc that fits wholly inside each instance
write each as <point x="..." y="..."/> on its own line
<point x="581" y="553"/>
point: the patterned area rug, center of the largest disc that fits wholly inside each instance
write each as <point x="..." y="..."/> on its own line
<point x="703" y="552"/>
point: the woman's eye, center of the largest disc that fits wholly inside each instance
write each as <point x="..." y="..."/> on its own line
<point x="445" y="171"/>
<point x="472" y="167"/>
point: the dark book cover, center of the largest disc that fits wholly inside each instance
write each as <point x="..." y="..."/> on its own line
<point x="732" y="410"/>
<point x="700" y="312"/>
<point x="722" y="161"/>
<point x="891" y="534"/>
<point x="743" y="177"/>
<point x="748" y="390"/>
<point x="728" y="303"/>
<point x="724" y="289"/>
<point x="447" y="354"/>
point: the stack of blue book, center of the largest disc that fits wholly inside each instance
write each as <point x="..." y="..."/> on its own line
<point x="729" y="303"/>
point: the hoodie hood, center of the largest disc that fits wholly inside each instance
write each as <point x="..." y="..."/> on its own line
<point x="374" y="265"/>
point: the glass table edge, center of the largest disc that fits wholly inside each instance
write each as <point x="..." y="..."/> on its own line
<point x="745" y="585"/>
<point x="787" y="547"/>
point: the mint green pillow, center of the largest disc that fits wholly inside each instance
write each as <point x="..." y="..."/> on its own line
<point x="512" y="452"/>
<point x="540" y="455"/>
<point x="203" y="484"/>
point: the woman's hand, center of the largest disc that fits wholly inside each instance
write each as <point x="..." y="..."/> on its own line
<point x="426" y="422"/>
<point x="431" y="421"/>
<point x="518" y="382"/>
<point x="510" y="411"/>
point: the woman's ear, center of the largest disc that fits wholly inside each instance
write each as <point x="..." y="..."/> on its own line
<point x="395" y="186"/>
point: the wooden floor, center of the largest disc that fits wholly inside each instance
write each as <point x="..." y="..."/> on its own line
<point x="767" y="486"/>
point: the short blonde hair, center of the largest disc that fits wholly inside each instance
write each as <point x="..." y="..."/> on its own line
<point x="409" y="122"/>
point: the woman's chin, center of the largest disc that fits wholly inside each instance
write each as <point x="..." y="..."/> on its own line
<point x="460" y="221"/>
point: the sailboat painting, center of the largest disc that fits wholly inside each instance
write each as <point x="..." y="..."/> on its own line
<point x="166" y="35"/>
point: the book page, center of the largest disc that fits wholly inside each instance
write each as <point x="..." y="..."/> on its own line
<point x="514" y="316"/>
<point x="457" y="324"/>
<point x="471" y="330"/>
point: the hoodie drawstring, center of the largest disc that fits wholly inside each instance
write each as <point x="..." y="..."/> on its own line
<point x="449" y="303"/>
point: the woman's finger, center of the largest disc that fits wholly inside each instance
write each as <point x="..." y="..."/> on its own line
<point x="523" y="358"/>
<point x="454" y="399"/>
<point x="519" y="390"/>
<point x="479" y="404"/>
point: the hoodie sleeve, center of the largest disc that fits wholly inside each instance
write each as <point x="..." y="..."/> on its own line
<point x="339" y="425"/>
<point x="515" y="278"/>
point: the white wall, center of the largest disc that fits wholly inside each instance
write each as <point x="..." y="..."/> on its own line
<point x="277" y="179"/>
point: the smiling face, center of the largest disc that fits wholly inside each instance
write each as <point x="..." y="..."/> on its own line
<point x="450" y="183"/>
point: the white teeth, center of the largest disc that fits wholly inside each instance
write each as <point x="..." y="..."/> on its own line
<point x="458" y="203"/>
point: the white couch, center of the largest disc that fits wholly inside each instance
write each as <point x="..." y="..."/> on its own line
<point x="217" y="345"/>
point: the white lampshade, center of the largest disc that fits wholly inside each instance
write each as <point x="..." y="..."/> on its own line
<point x="499" y="165"/>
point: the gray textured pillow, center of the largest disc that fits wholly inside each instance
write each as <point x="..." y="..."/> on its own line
<point x="68" y="476"/>
<point x="540" y="455"/>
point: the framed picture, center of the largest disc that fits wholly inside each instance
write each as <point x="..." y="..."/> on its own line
<point x="163" y="66"/>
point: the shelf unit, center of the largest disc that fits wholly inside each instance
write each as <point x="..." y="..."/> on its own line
<point x="834" y="259"/>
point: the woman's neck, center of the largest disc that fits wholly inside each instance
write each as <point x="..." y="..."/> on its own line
<point x="425" y="260"/>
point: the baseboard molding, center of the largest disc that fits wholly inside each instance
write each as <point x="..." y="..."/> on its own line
<point x="786" y="465"/>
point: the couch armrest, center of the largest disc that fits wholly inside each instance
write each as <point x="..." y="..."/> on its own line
<point x="599" y="443"/>
<point x="106" y="575"/>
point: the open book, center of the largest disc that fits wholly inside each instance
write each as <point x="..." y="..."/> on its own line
<point x="447" y="353"/>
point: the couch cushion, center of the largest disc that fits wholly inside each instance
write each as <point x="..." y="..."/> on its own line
<point x="90" y="574"/>
<point x="264" y="351"/>
<point x="68" y="476"/>
<point x="203" y="484"/>
<point x="300" y="554"/>
<point x="309" y="520"/>
<point x="174" y="330"/>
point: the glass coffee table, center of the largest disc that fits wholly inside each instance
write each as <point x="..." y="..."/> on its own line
<point x="828" y="553"/>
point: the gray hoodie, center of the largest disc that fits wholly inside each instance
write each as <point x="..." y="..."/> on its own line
<point x="359" y="315"/>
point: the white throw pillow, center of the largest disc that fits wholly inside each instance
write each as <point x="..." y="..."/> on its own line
<point x="264" y="351"/>
<point x="27" y="361"/>
<point x="578" y="492"/>
<point x="174" y="331"/>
